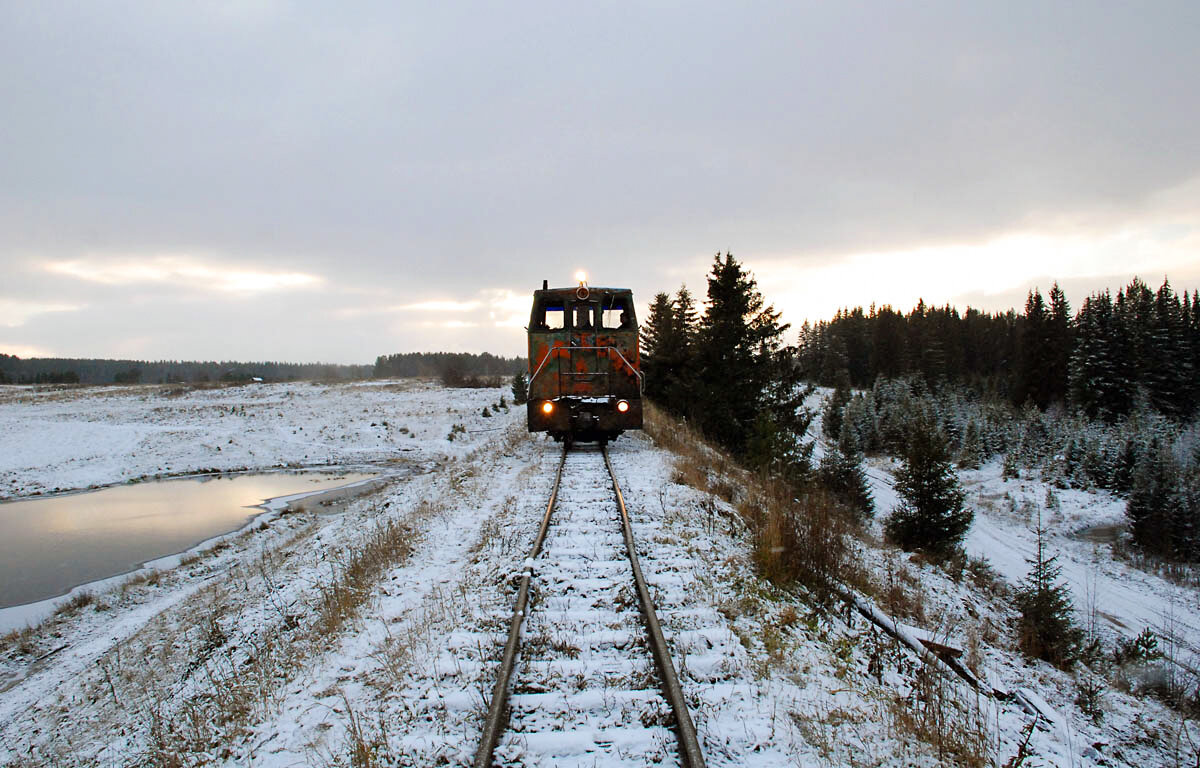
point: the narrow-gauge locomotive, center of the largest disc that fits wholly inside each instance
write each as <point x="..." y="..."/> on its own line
<point x="585" y="381"/>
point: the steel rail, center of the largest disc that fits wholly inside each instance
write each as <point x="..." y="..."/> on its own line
<point x="685" y="730"/>
<point x="497" y="717"/>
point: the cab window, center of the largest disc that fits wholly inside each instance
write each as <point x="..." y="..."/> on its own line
<point x="617" y="315"/>
<point x="549" y="316"/>
<point x="581" y="317"/>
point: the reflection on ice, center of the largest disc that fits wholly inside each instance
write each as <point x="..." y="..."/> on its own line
<point x="49" y="545"/>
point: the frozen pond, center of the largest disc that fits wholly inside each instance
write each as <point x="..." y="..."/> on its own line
<point x="48" y="546"/>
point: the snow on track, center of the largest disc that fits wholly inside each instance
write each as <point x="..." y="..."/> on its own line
<point x="586" y="689"/>
<point x="737" y="714"/>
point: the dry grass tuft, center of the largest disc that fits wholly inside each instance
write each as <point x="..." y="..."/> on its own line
<point x="901" y="592"/>
<point x="803" y="539"/>
<point x="78" y="601"/>
<point x="23" y="640"/>
<point x="349" y="585"/>
<point x="986" y="580"/>
<point x="367" y="747"/>
<point x="148" y="576"/>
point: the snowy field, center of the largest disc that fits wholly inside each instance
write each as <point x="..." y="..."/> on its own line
<point x="56" y="439"/>
<point x="368" y="633"/>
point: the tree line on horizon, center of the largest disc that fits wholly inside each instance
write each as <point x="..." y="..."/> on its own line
<point x="1116" y="353"/>
<point x="453" y="368"/>
<point x="92" y="371"/>
<point x="1111" y="390"/>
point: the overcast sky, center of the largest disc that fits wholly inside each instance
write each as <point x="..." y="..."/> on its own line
<point x="333" y="181"/>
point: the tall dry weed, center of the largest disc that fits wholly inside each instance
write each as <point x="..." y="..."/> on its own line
<point x="938" y="713"/>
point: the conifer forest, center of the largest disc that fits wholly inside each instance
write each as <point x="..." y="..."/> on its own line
<point x="1102" y="397"/>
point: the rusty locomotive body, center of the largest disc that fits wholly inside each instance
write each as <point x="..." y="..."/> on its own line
<point x="585" y="381"/>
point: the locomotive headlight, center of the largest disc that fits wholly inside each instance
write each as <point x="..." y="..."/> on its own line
<point x="622" y="406"/>
<point x="547" y="407"/>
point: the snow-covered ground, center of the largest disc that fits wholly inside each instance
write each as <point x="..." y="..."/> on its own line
<point x="56" y="439"/>
<point x="1113" y="600"/>
<point x="1119" y="598"/>
<point x="370" y="635"/>
<point x="1080" y="526"/>
<point x="1122" y="599"/>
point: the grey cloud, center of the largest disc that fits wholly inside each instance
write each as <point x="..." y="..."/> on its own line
<point x="428" y="151"/>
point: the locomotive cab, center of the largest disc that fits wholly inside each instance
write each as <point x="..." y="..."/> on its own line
<point x="585" y="380"/>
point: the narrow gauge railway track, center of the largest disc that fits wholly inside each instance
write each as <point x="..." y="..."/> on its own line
<point x="577" y="698"/>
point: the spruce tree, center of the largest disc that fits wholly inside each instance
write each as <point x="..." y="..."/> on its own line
<point x="855" y="334"/>
<point x="889" y="347"/>
<point x="939" y="345"/>
<point x="657" y="325"/>
<point x="1191" y="351"/>
<point x="738" y="358"/>
<point x="1159" y="505"/>
<point x="810" y="349"/>
<point x="842" y="472"/>
<point x="1194" y="343"/>
<point x="924" y="352"/>
<point x="686" y="317"/>
<point x="520" y="388"/>
<point x="1047" y="628"/>
<point x="972" y="451"/>
<point x="1135" y="319"/>
<point x="859" y="417"/>
<point x="657" y="339"/>
<point x="1059" y="339"/>
<point x="831" y="418"/>
<point x="1096" y="382"/>
<point x="931" y="516"/>
<point x="834" y="359"/>
<point x="1185" y="518"/>
<point x="681" y="378"/>
<point x="1168" y="369"/>
<point x="769" y="448"/>
<point x="1034" y="354"/>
